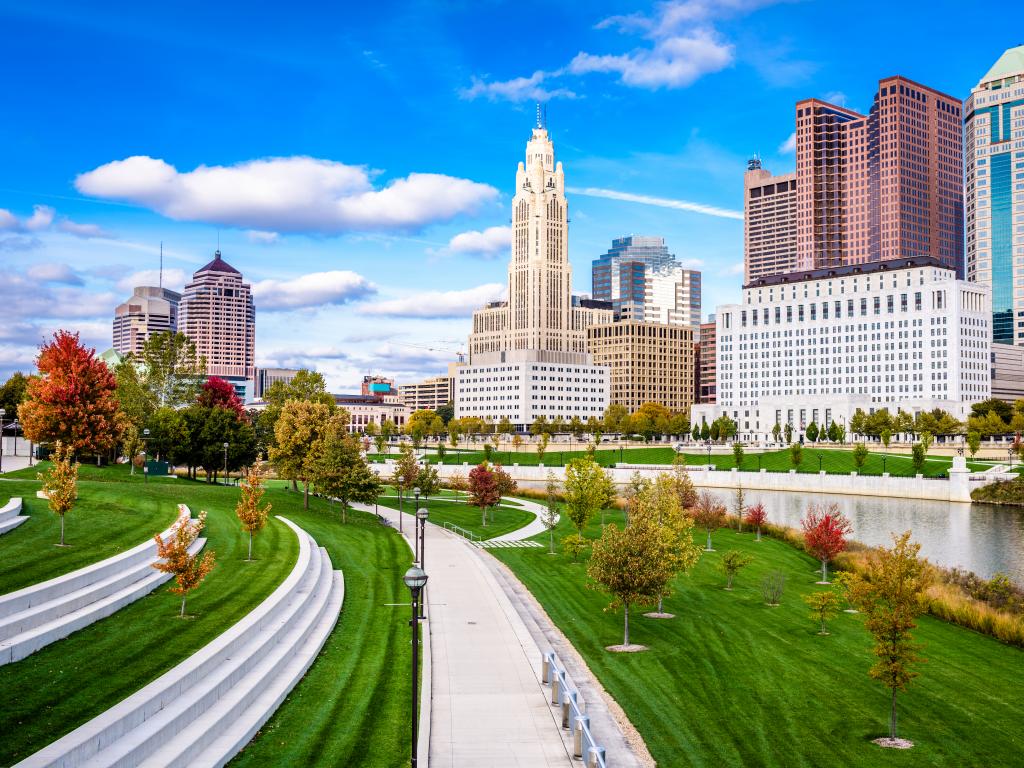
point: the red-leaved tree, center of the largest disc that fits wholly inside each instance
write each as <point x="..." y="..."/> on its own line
<point x="218" y="393"/>
<point x="825" y="531"/>
<point x="756" y="517"/>
<point x="483" y="490"/>
<point x="73" y="399"/>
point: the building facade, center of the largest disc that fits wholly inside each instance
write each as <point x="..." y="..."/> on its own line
<point x="149" y="310"/>
<point x="218" y="315"/>
<point x="769" y="222"/>
<point x="643" y="281"/>
<point x="430" y="394"/>
<point x="815" y="346"/>
<point x="886" y="185"/>
<point x="378" y="386"/>
<point x="708" y="370"/>
<point x="364" y="410"/>
<point x="994" y="156"/>
<point x="648" y="362"/>
<point x="1008" y="372"/>
<point x="265" y="378"/>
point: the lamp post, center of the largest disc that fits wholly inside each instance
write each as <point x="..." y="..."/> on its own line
<point x="759" y="462"/>
<point x="1010" y="452"/>
<point x="3" y="412"/>
<point x="709" y="453"/>
<point x="145" y="449"/>
<point x="415" y="579"/>
<point x="883" y="463"/>
<point x="820" y="455"/>
<point x="226" y="463"/>
<point x="415" y="535"/>
<point x="421" y="522"/>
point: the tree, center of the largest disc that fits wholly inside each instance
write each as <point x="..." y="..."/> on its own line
<point x="483" y="490"/>
<point x="824" y="605"/>
<point x="73" y="400"/>
<point x="1001" y="408"/>
<point x="696" y="432"/>
<point x="342" y="472"/>
<point x="136" y="401"/>
<point x="298" y="437"/>
<point x="12" y="393"/>
<point x="716" y="429"/>
<point x="218" y="393"/>
<point x="917" y="457"/>
<point x="446" y="412"/>
<point x="306" y="385"/>
<point x="756" y="516"/>
<point x="812" y="432"/>
<point x="168" y="435"/>
<point x="251" y="511"/>
<point x="833" y="432"/>
<point x="542" y="446"/>
<point x="684" y="489"/>
<point x="60" y="484"/>
<point x="407" y="471"/>
<point x="796" y="454"/>
<point x="737" y="454"/>
<point x="860" y="455"/>
<point x="739" y="506"/>
<point x="188" y="569"/>
<point x="705" y="431"/>
<point x="458" y="483"/>
<point x="588" y="488"/>
<point x="973" y="442"/>
<point x="631" y="565"/>
<point x="777" y="432"/>
<point x="885" y="436"/>
<point x="549" y="517"/>
<point x="858" y="422"/>
<point x="173" y="370"/>
<point x="708" y="514"/>
<point x="788" y="430"/>
<point x="732" y="562"/>
<point x="429" y="482"/>
<point x="506" y="485"/>
<point x="825" y="530"/>
<point x="613" y="416"/>
<point x="925" y="439"/>
<point x="891" y="594"/>
<point x="206" y="431"/>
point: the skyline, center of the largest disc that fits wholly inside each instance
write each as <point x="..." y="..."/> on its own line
<point x="371" y="242"/>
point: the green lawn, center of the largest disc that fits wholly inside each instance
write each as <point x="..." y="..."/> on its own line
<point x="833" y="460"/>
<point x="506" y="518"/>
<point x="731" y="681"/>
<point x="352" y="681"/>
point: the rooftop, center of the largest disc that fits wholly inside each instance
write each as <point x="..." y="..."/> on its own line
<point x="846" y="271"/>
<point x="1009" y="64"/>
<point x="218" y="265"/>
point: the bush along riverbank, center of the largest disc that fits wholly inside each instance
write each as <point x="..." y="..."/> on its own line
<point x="1010" y="492"/>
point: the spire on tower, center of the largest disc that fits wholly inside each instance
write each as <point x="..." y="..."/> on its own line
<point x="540" y="124"/>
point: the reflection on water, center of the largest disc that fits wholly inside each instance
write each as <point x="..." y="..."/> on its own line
<point x="979" y="537"/>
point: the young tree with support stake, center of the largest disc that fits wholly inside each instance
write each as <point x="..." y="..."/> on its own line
<point x="824" y="605"/>
<point x="189" y="570"/>
<point x="483" y="490"/>
<point x="251" y="512"/>
<point x="60" y="484"/>
<point x="343" y="473"/>
<point x="407" y="471"/>
<point x="756" y="517"/>
<point x="549" y="517"/>
<point x="891" y="594"/>
<point x="825" y="531"/>
<point x="708" y="514"/>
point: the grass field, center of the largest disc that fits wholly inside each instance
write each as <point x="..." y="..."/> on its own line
<point x="731" y="681"/>
<point x="506" y="517"/>
<point x="352" y="681"/>
<point x="833" y="460"/>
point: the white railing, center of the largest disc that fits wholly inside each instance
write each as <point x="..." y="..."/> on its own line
<point x="563" y="695"/>
<point x="466" y="534"/>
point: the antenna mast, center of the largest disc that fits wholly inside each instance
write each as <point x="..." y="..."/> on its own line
<point x="161" y="283"/>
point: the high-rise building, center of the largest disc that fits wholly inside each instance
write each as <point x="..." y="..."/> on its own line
<point x="769" y="222"/>
<point x="649" y="362"/>
<point x="218" y="315"/>
<point x="816" y="346"/>
<point x="708" y="362"/>
<point x="644" y="282"/>
<point x="266" y="377"/>
<point x="994" y="155"/>
<point x="882" y="186"/>
<point x="149" y="310"/>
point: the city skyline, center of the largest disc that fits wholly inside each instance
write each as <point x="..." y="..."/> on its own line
<point x="366" y="263"/>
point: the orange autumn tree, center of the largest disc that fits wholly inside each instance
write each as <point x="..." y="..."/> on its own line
<point x="73" y="399"/>
<point x="60" y="484"/>
<point x="253" y="516"/>
<point x="189" y="570"/>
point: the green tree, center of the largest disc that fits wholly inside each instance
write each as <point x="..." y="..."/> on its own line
<point x="885" y="436"/>
<point x="446" y="412"/>
<point x="777" y="432"/>
<point x="576" y="427"/>
<point x="833" y="432"/>
<point x="542" y="446"/>
<point x="341" y="471"/>
<point x="926" y="440"/>
<point x="858" y="422"/>
<point x="973" y="442"/>
<point x="891" y="595"/>
<point x="173" y="369"/>
<point x="549" y="517"/>
<point x="737" y="454"/>
<point x="860" y="455"/>
<point x="788" y="430"/>
<point x="796" y="455"/>
<point x="705" y="431"/>
<point x="407" y="472"/>
<point x="917" y="457"/>
<point x="206" y="430"/>
<point x="812" y="432"/>
<point x="696" y="432"/>
<point x="299" y="441"/>
<point x="732" y="562"/>
<point x="137" y="401"/>
<point x="588" y="488"/>
<point x="824" y="605"/>
<point x="12" y="393"/>
<point x="613" y="416"/>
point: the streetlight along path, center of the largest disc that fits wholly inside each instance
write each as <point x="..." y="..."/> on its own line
<point x="487" y="704"/>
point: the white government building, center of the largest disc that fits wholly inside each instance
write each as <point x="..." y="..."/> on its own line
<point x="816" y="346"/>
<point x="528" y="355"/>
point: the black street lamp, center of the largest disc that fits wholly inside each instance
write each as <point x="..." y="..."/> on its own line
<point x="415" y="535"/>
<point x="3" y="412"/>
<point x="421" y="524"/>
<point x="709" y="453"/>
<point x="819" y="461"/>
<point x="1009" y="452"/>
<point x="883" y="464"/>
<point x="145" y="456"/>
<point x="759" y="462"/>
<point x="226" y="463"/>
<point x="415" y="579"/>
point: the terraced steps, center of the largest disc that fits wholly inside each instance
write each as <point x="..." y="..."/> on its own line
<point x="36" y="616"/>
<point x="10" y="516"/>
<point x="203" y="711"/>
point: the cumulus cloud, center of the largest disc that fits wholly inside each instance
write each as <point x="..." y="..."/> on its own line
<point x="438" y="304"/>
<point x="287" y="194"/>
<point x="81" y="230"/>
<point x="312" y="290"/>
<point x="54" y="273"/>
<point x="42" y="220"/>
<point x="173" y="278"/>
<point x="788" y="147"/>
<point x="261" y="237"/>
<point x="660" y="202"/>
<point x="8" y="220"/>
<point x="489" y="243"/>
<point x="517" y="89"/>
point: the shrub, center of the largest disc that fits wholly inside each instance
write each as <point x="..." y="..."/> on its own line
<point x="573" y="545"/>
<point x="772" y="587"/>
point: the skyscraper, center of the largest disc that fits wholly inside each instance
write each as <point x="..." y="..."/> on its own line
<point x="769" y="222"/>
<point x="881" y="186"/>
<point x="149" y="310"/>
<point x="994" y="152"/>
<point x="644" y="282"/>
<point x="218" y="315"/>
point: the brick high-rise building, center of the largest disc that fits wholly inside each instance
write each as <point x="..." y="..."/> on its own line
<point x="769" y="222"/>
<point x="994" y="154"/>
<point x="881" y="186"/>
<point x="218" y="315"/>
<point x="150" y="310"/>
<point x="708" y="362"/>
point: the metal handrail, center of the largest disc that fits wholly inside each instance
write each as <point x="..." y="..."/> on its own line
<point x="573" y="717"/>
<point x="466" y="534"/>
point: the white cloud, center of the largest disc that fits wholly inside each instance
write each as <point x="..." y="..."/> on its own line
<point x="19" y="243"/>
<point x="42" y="218"/>
<point x="54" y="273"/>
<point x="314" y="289"/>
<point x="287" y="194"/>
<point x="660" y="202"/>
<point x="735" y="268"/>
<point x="489" y="243"/>
<point x="517" y="89"/>
<point x="8" y="220"/>
<point x="438" y="304"/>
<point x="173" y="278"/>
<point x="261" y="237"/>
<point x="835" y="97"/>
<point x="788" y="147"/>
<point x="81" y="230"/>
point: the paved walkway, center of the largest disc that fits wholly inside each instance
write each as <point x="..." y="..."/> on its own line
<point x="488" y="707"/>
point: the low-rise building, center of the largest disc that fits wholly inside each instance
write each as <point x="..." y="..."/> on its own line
<point x="371" y="409"/>
<point x="817" y="345"/>
<point x="430" y="394"/>
<point x="648" y="362"/>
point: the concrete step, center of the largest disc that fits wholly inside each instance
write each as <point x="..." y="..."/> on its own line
<point x="203" y="711"/>
<point x="10" y="523"/>
<point x="11" y="509"/>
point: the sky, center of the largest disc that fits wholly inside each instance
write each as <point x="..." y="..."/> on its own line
<point x="356" y="161"/>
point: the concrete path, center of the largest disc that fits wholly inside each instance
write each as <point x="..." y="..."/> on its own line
<point x="488" y="707"/>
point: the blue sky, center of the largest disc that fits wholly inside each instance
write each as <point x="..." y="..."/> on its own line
<point x="356" y="160"/>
